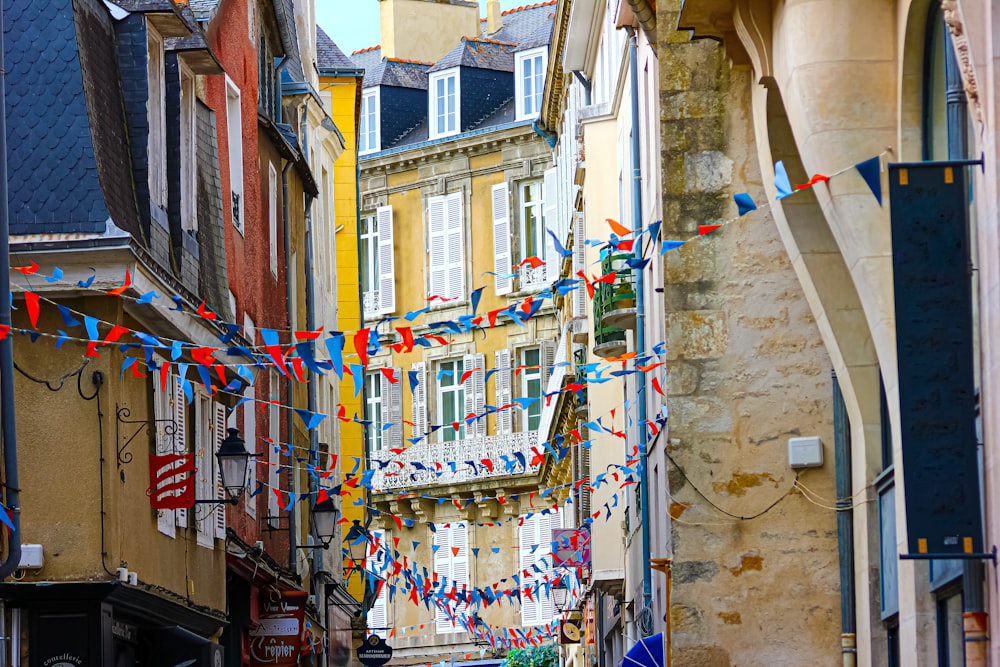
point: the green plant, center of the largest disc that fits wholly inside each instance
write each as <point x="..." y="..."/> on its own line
<point x="534" y="656"/>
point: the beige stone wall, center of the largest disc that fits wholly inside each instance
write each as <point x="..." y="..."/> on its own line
<point x="747" y="371"/>
<point x="425" y="30"/>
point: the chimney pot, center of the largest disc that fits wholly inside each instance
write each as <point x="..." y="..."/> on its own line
<point x="493" y="20"/>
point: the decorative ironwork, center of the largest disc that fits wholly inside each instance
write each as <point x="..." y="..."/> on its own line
<point x="122" y="421"/>
<point x="507" y="455"/>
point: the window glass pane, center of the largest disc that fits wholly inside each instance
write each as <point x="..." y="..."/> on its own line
<point x="373" y="391"/>
<point x="439" y="106"/>
<point x="888" y="572"/>
<point x="451" y="400"/>
<point x="451" y="104"/>
<point x="529" y="98"/>
<point x="532" y="382"/>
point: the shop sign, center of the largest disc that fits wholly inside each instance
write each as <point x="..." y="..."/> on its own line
<point x="572" y="547"/>
<point x="374" y="652"/>
<point x="277" y="638"/>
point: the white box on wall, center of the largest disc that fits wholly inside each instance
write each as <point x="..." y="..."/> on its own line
<point x="805" y="452"/>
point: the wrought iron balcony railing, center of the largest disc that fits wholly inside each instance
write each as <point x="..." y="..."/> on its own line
<point x="614" y="305"/>
<point x="429" y="463"/>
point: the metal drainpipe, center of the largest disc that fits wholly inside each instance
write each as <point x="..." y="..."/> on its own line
<point x="845" y="527"/>
<point x="975" y="618"/>
<point x="640" y="324"/>
<point x="11" y="484"/>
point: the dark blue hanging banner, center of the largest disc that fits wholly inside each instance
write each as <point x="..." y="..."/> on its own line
<point x="929" y="204"/>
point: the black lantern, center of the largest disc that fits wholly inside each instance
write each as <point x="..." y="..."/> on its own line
<point x="357" y="543"/>
<point x="560" y="594"/>
<point x="233" y="462"/>
<point x="324" y="515"/>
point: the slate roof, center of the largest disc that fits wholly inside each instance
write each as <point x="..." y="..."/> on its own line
<point x="63" y="100"/>
<point x="329" y="55"/>
<point x="525" y="24"/>
<point x="204" y="9"/>
<point x="399" y="73"/>
<point x="482" y="52"/>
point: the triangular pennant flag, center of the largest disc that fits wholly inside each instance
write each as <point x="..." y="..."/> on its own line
<point x="869" y="170"/>
<point x="744" y="203"/>
<point x="670" y="245"/>
<point x="781" y="182"/>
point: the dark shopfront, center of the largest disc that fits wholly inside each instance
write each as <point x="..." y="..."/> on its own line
<point x="106" y="624"/>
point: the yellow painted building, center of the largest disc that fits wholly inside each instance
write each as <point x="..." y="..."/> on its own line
<point x="340" y="91"/>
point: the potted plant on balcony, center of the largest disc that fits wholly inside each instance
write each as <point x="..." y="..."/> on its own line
<point x="624" y="296"/>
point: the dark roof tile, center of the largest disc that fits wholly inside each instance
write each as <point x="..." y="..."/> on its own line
<point x="329" y="55"/>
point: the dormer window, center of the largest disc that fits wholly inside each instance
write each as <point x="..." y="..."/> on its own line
<point x="529" y="81"/>
<point x="444" y="90"/>
<point x="368" y="132"/>
<point x="157" y="120"/>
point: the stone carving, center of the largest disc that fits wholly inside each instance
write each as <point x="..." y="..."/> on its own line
<point x="952" y="15"/>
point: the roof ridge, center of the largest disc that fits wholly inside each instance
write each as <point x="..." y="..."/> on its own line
<point x="524" y="7"/>
<point x="489" y="40"/>
<point x="406" y="61"/>
<point x="366" y="49"/>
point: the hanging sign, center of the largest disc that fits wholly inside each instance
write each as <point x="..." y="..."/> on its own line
<point x="277" y="639"/>
<point x="374" y="652"/>
<point x="572" y="547"/>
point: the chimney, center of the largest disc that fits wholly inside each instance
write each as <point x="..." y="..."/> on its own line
<point x="493" y="20"/>
<point x="425" y="30"/>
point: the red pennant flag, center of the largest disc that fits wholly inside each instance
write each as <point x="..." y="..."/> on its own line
<point x="206" y="314"/>
<point x="4" y="331"/>
<point x="118" y="291"/>
<point x="466" y="375"/>
<point x="586" y="280"/>
<point x="817" y="178"/>
<point x="533" y="261"/>
<point x="608" y="279"/>
<point x="625" y="245"/>
<point x="438" y="339"/>
<point x="390" y="375"/>
<point x="488" y="463"/>
<point x="117" y="331"/>
<point x="397" y="521"/>
<point x="407" y="334"/>
<point x="203" y="355"/>
<point x="707" y="229"/>
<point x="619" y="229"/>
<point x="26" y="270"/>
<point x="657" y="388"/>
<point x="361" y="345"/>
<point x="31" y="301"/>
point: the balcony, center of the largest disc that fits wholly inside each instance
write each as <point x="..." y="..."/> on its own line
<point x="372" y="303"/>
<point x="614" y="306"/>
<point x="502" y="451"/>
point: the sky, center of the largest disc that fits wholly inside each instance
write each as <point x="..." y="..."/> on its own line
<point x="353" y="24"/>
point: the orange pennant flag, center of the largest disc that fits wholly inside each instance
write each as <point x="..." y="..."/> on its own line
<point x="619" y="229"/>
<point x="118" y="291"/>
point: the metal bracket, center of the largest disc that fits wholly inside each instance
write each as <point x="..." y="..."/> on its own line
<point x="122" y="414"/>
<point x="990" y="556"/>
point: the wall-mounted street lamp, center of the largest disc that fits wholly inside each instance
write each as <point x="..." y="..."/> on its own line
<point x="234" y="459"/>
<point x="560" y="594"/>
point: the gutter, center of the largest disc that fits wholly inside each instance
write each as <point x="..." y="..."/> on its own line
<point x="7" y="412"/>
<point x="646" y="16"/>
<point x="640" y="338"/>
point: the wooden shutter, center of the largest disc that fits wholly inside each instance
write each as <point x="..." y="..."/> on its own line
<point x="455" y="279"/>
<point x="274" y="433"/>
<point x="419" y="412"/>
<point x="180" y="437"/>
<point x="475" y="393"/>
<point x="164" y="444"/>
<point x="220" y="490"/>
<point x="204" y="515"/>
<point x="437" y="246"/>
<point x="546" y="358"/>
<point x="543" y="559"/>
<point x="579" y="263"/>
<point x="459" y="566"/>
<point x="550" y="195"/>
<point x="387" y="271"/>
<point x="505" y="421"/>
<point x="502" y="259"/>
<point x="253" y="446"/>
<point x="395" y="409"/>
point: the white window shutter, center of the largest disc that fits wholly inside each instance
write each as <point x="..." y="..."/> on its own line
<point x="419" y="417"/>
<point x="459" y="566"/>
<point x="387" y="271"/>
<point x="547" y="357"/>
<point x="395" y="409"/>
<point x="502" y="259"/>
<point x="478" y="381"/>
<point x="543" y="559"/>
<point x="437" y="245"/>
<point x="474" y="399"/>
<point x="505" y="421"/>
<point x="455" y="280"/>
<point x="220" y="490"/>
<point x="378" y="615"/>
<point x="180" y="439"/>
<point x="550" y="194"/>
<point x="528" y="537"/>
<point x="442" y="568"/>
<point x="253" y="446"/>
<point x="579" y="263"/>
<point x="165" y="519"/>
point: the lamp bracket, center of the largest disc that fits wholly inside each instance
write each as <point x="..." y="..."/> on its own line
<point x="124" y="426"/>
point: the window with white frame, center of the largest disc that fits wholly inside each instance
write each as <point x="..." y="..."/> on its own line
<point x="446" y="251"/>
<point x="234" y="132"/>
<point x="378" y="277"/>
<point x="274" y="433"/>
<point x="531" y="219"/>
<point x="373" y="399"/>
<point x="368" y="131"/>
<point x="450" y="399"/>
<point x="531" y="386"/>
<point x="535" y="555"/>
<point x="189" y="182"/>
<point x="156" y="113"/>
<point x="529" y="81"/>
<point x="379" y="621"/>
<point x="451" y="566"/>
<point x="272" y="216"/>
<point x="444" y="90"/>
